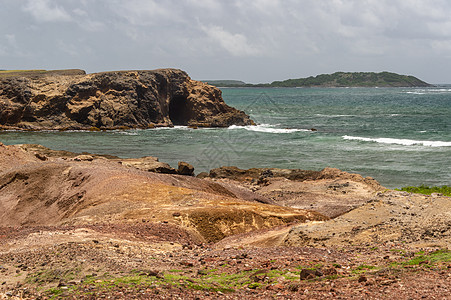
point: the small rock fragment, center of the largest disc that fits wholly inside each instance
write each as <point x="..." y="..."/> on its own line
<point x="83" y="158"/>
<point x="310" y="274"/>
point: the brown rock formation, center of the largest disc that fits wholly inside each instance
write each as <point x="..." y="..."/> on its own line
<point x="392" y="217"/>
<point x="112" y="100"/>
<point x="185" y="168"/>
<point x="90" y="189"/>
<point x="330" y="191"/>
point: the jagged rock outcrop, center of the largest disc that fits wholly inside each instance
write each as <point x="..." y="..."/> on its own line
<point x="112" y="100"/>
<point x="260" y="174"/>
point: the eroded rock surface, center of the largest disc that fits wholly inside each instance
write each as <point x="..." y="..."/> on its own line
<point x="330" y="191"/>
<point x="392" y="217"/>
<point x="89" y="189"/>
<point x="111" y="100"/>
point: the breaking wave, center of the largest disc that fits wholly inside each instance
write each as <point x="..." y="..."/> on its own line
<point x="429" y="91"/>
<point x="266" y="128"/>
<point x="404" y="142"/>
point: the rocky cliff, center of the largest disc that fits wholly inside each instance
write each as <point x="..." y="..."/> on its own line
<point x="111" y="100"/>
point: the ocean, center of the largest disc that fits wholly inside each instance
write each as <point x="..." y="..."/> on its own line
<point x="399" y="136"/>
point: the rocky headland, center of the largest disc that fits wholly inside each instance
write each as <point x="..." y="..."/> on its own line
<point x="97" y="226"/>
<point x="73" y="100"/>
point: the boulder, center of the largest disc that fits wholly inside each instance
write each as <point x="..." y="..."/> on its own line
<point x="82" y="157"/>
<point x="238" y="174"/>
<point x="185" y="168"/>
<point x="149" y="164"/>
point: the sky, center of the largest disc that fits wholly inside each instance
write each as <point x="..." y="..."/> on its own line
<point x="255" y="41"/>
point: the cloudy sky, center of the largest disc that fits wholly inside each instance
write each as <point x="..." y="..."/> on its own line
<point x="249" y="40"/>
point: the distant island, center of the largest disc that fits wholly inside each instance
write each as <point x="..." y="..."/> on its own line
<point x="338" y="79"/>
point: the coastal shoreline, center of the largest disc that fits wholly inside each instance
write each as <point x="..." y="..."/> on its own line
<point x="168" y="234"/>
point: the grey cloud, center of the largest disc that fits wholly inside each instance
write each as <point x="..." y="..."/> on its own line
<point x="254" y="40"/>
<point x="46" y="11"/>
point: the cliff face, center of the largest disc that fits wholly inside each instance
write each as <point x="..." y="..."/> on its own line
<point x="110" y="100"/>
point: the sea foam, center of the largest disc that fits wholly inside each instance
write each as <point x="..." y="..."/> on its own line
<point x="404" y="142"/>
<point x="266" y="128"/>
<point x="428" y="91"/>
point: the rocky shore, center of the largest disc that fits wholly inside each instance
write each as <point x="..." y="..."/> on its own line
<point x="87" y="226"/>
<point x="73" y="100"/>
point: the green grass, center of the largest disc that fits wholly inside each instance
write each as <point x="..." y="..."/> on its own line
<point x="48" y="276"/>
<point x="426" y="190"/>
<point x="21" y="71"/>
<point x="13" y="73"/>
<point x="363" y="269"/>
<point x="430" y="260"/>
<point x="400" y="251"/>
<point x="55" y="293"/>
<point x="176" y="271"/>
<point x="212" y="280"/>
<point x="8" y="73"/>
<point x="439" y="256"/>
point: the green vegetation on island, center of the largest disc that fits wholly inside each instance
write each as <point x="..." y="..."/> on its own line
<point x="338" y="79"/>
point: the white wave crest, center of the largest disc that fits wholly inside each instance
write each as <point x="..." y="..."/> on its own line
<point x="178" y="127"/>
<point x="429" y="91"/>
<point x="266" y="128"/>
<point x="404" y="142"/>
<point x="334" y="116"/>
<point x="127" y="132"/>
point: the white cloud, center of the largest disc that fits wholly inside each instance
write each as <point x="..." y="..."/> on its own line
<point x="211" y="5"/>
<point x="147" y="12"/>
<point x="236" y="44"/>
<point x="46" y="11"/>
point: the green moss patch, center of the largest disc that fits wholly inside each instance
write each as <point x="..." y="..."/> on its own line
<point x="426" y="190"/>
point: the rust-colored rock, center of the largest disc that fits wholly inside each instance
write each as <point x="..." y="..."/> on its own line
<point x="84" y="189"/>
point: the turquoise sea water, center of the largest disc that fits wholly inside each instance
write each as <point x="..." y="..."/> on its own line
<point x="400" y="136"/>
